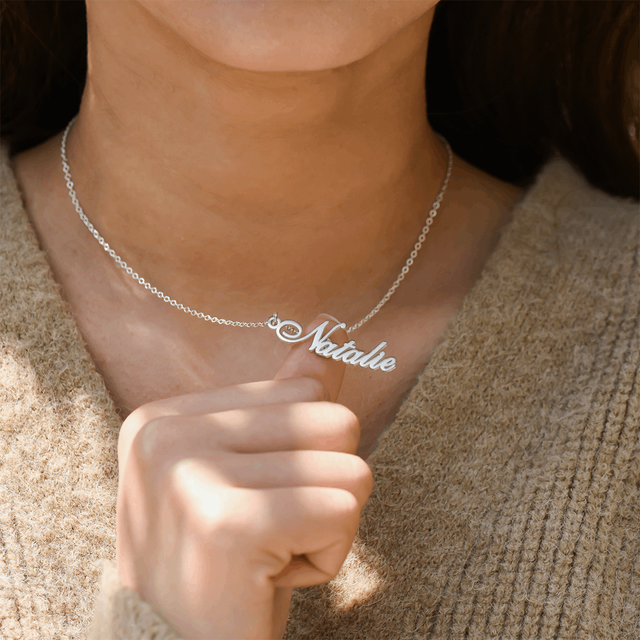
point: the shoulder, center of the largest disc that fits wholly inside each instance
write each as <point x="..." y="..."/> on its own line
<point x="11" y="204"/>
<point x="558" y="299"/>
<point x="31" y="299"/>
<point x="20" y="253"/>
<point x="566" y="216"/>
<point x="571" y="240"/>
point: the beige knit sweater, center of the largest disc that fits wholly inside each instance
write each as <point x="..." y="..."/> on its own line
<point x="506" y="491"/>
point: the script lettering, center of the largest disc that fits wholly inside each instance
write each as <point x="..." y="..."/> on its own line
<point x="352" y="356"/>
<point x="364" y="361"/>
<point x="291" y="332"/>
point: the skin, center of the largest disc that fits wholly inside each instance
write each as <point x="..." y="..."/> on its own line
<point x="241" y="192"/>
<point x="246" y="158"/>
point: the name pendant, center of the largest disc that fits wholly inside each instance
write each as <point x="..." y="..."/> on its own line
<point x="291" y="332"/>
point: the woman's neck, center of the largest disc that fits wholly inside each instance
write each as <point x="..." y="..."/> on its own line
<point x="252" y="186"/>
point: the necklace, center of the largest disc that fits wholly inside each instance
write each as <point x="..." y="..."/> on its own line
<point x="287" y="330"/>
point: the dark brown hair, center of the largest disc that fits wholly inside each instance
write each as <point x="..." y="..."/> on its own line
<point x="508" y="82"/>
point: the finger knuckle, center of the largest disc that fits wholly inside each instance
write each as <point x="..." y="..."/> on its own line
<point x="150" y="443"/>
<point x="140" y="417"/>
<point x="314" y="389"/>
<point x="346" y="505"/>
<point x="132" y="426"/>
<point x="203" y="505"/>
<point x="348" y="427"/>
<point x="213" y="510"/>
<point x="362" y="474"/>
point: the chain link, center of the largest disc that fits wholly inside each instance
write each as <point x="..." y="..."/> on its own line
<point x="234" y="323"/>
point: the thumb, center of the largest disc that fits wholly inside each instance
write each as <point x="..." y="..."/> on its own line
<point x="302" y="362"/>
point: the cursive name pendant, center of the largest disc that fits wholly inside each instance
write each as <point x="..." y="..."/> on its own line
<point x="291" y="332"/>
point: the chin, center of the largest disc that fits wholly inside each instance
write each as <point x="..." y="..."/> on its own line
<point x="286" y="35"/>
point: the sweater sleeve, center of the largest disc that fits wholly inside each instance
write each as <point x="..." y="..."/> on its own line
<point x="120" y="614"/>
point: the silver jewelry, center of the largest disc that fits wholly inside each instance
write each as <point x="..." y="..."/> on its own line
<point x="287" y="330"/>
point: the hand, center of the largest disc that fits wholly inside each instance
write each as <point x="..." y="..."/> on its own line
<point x="228" y="499"/>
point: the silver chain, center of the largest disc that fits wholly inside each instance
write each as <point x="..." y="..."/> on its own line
<point x="234" y="323"/>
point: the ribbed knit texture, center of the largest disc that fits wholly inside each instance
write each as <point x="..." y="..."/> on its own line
<point x="506" y="491"/>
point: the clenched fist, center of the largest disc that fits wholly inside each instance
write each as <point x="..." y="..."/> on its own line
<point x="228" y="499"/>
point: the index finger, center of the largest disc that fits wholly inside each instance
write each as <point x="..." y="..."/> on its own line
<point x="241" y="396"/>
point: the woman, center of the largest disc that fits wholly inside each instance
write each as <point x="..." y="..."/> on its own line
<point x="249" y="158"/>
